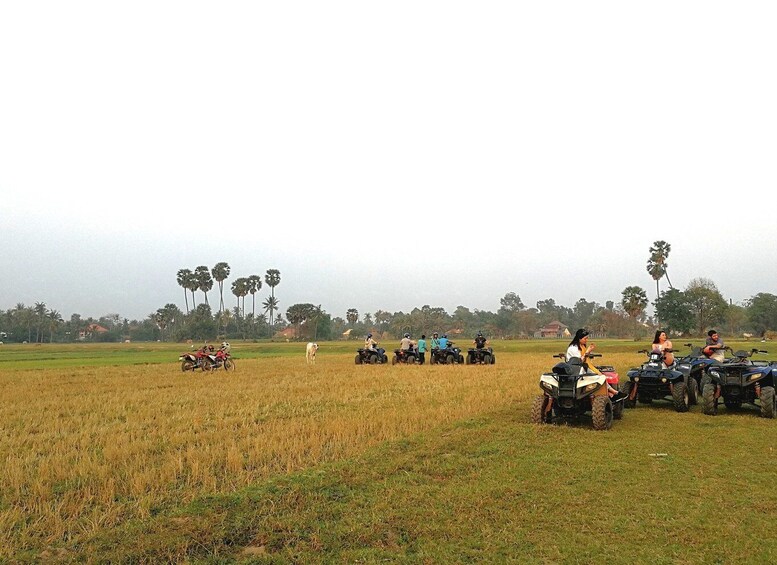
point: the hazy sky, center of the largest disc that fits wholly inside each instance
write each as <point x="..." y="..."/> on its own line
<point x="384" y="155"/>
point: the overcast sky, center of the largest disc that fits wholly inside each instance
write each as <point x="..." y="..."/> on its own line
<point x="384" y="155"/>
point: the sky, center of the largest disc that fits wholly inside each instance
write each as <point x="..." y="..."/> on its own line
<point x="384" y="155"/>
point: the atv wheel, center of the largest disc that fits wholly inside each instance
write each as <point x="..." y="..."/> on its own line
<point x="626" y="388"/>
<point x="693" y="392"/>
<point x="373" y="359"/>
<point x="538" y="410"/>
<point x="187" y="366"/>
<point x="602" y="413"/>
<point x="358" y="359"/>
<point x="493" y="358"/>
<point x="461" y="359"/>
<point x="394" y="360"/>
<point x="680" y="397"/>
<point x="768" y="402"/>
<point x="411" y="360"/>
<point x="468" y="361"/>
<point x="487" y="359"/>
<point x="432" y="360"/>
<point x="617" y="409"/>
<point x="449" y="359"/>
<point x="708" y="399"/>
<point x="229" y="365"/>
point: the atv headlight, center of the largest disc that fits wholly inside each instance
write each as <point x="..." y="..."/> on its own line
<point x="591" y="387"/>
<point x="754" y="376"/>
<point x="685" y="367"/>
<point x="180" y="358"/>
<point x="547" y="386"/>
<point x="715" y="374"/>
<point x="663" y="379"/>
<point x="636" y="379"/>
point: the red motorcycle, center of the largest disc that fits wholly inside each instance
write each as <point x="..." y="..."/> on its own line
<point x="221" y="358"/>
<point x="199" y="359"/>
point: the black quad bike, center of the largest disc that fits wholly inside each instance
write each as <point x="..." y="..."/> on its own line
<point x="695" y="365"/>
<point x="409" y="356"/>
<point x="655" y="381"/>
<point x="371" y="356"/>
<point x="482" y="356"/>
<point x="569" y="392"/>
<point x="448" y="356"/>
<point x="741" y="380"/>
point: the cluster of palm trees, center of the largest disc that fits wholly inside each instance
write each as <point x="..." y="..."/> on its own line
<point x="36" y="318"/>
<point x="202" y="278"/>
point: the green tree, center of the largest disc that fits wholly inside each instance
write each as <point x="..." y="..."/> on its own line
<point x="273" y="278"/>
<point x="674" y="311"/>
<point x="511" y="302"/>
<point x="254" y="285"/>
<point x="204" y="280"/>
<point x="352" y="315"/>
<point x="657" y="265"/>
<point x="634" y="302"/>
<point x="762" y="312"/>
<point x="220" y="272"/>
<point x="54" y="322"/>
<point x="184" y="279"/>
<point x="270" y="306"/>
<point x="40" y="316"/>
<point x="298" y="314"/>
<point x="706" y="302"/>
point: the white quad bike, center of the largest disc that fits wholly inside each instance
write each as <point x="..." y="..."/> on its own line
<point x="569" y="392"/>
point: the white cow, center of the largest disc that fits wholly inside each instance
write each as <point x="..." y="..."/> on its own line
<point x="310" y="353"/>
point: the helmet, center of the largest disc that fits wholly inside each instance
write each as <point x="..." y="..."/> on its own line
<point x="224" y="344"/>
<point x="369" y="336"/>
<point x="445" y="336"/>
<point x="407" y="335"/>
<point x="434" y="334"/>
<point x="480" y="334"/>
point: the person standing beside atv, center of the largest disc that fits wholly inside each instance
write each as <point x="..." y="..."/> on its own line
<point x="422" y="349"/>
<point x="661" y="344"/>
<point x="714" y="346"/>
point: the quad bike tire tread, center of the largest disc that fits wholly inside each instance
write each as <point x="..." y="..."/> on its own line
<point x="768" y="406"/>
<point x="708" y="399"/>
<point x="681" y="397"/>
<point x="538" y="409"/>
<point x="601" y="413"/>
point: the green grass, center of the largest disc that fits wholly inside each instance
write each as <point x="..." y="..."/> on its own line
<point x="499" y="489"/>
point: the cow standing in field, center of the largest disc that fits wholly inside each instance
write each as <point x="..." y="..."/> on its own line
<point x="310" y="353"/>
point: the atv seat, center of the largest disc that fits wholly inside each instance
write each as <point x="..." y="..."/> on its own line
<point x="571" y="368"/>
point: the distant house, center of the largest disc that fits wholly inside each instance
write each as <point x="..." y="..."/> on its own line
<point x="554" y="329"/>
<point x="87" y="332"/>
<point x="288" y="333"/>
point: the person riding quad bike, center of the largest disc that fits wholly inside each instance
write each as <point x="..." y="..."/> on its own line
<point x="446" y="353"/>
<point x="480" y="354"/>
<point x="407" y="352"/>
<point x="571" y="389"/>
<point x="371" y="354"/>
<point x="741" y="380"/>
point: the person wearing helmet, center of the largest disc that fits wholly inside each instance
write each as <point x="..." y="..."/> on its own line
<point x="369" y="343"/>
<point x="225" y="347"/>
<point x="444" y="341"/>
<point x="434" y="342"/>
<point x="480" y="341"/>
<point x="406" y="344"/>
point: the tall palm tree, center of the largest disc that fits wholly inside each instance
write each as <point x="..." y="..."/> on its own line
<point x="270" y="305"/>
<point x="659" y="253"/>
<point x="220" y="273"/>
<point x="254" y="284"/>
<point x="55" y="319"/>
<point x="204" y="280"/>
<point x="40" y="311"/>
<point x="352" y="315"/>
<point x="184" y="277"/>
<point x="240" y="288"/>
<point x="273" y="279"/>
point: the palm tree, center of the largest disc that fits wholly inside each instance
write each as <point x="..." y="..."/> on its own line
<point x="204" y="280"/>
<point x="220" y="272"/>
<point x="657" y="265"/>
<point x="240" y="288"/>
<point x="273" y="279"/>
<point x="40" y="311"/>
<point x="254" y="284"/>
<point x="184" y="277"/>
<point x="270" y="305"/>
<point x="55" y="319"/>
<point x="352" y="315"/>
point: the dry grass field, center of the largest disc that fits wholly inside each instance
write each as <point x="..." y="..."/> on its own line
<point x="89" y="449"/>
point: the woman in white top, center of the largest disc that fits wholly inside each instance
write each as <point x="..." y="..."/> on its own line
<point x="580" y="348"/>
<point x="662" y="344"/>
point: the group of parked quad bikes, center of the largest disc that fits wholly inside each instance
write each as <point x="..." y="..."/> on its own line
<point x="448" y="355"/>
<point x="570" y="392"/>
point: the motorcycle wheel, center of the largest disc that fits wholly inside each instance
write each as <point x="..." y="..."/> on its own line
<point x="206" y="365"/>
<point x="229" y="365"/>
<point x="187" y="366"/>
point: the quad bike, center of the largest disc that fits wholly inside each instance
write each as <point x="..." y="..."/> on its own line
<point x="448" y="356"/>
<point x="482" y="356"/>
<point x="695" y="365"/>
<point x="655" y="381"/>
<point x="375" y="356"/>
<point x="570" y="391"/>
<point x="409" y="356"/>
<point x="741" y="380"/>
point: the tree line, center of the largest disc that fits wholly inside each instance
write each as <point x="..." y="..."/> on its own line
<point x="688" y="312"/>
